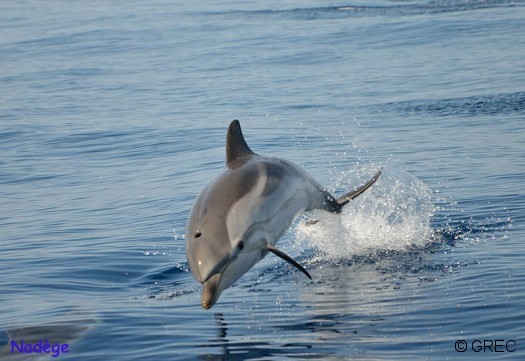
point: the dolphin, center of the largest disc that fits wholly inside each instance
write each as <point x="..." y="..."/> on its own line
<point x="242" y="213"/>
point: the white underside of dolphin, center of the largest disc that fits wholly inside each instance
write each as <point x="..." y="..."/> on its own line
<point x="241" y="214"/>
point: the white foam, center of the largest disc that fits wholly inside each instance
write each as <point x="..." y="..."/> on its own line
<point x="394" y="214"/>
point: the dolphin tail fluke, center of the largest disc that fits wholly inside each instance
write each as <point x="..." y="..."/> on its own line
<point x="288" y="259"/>
<point x="355" y="193"/>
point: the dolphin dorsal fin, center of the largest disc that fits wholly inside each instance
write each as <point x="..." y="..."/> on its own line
<point x="236" y="147"/>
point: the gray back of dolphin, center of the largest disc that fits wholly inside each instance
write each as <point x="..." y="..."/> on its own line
<point x="241" y="214"/>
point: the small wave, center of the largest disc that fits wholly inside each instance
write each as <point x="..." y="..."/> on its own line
<point x="167" y="273"/>
<point x="346" y="11"/>
<point x="393" y="215"/>
<point x="508" y="103"/>
<point x="166" y="294"/>
<point x="456" y="225"/>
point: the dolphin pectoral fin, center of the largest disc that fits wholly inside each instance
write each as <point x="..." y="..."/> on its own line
<point x="288" y="259"/>
<point x="353" y="194"/>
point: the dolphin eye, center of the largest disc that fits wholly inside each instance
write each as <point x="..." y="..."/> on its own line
<point x="240" y="245"/>
<point x="198" y="234"/>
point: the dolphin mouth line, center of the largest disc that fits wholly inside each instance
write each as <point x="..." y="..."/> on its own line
<point x="210" y="292"/>
<point x="210" y="286"/>
<point x="225" y="262"/>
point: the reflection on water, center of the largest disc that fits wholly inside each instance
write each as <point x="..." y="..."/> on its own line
<point x="235" y="350"/>
<point x="351" y="302"/>
<point x="222" y="330"/>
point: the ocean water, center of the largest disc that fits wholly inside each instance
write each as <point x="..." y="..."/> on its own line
<point x="113" y="117"/>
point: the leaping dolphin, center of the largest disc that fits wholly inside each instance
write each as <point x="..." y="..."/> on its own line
<point x="241" y="214"/>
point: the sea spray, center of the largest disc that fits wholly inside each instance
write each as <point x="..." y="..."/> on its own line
<point x="393" y="215"/>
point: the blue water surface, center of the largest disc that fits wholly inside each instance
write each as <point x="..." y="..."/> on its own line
<point x="113" y="116"/>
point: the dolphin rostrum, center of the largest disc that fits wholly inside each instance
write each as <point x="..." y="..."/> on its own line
<point x="241" y="214"/>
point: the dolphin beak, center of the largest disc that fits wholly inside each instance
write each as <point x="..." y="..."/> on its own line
<point x="210" y="287"/>
<point x="210" y="291"/>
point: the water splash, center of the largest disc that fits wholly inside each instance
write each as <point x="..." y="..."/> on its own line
<point x="393" y="215"/>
